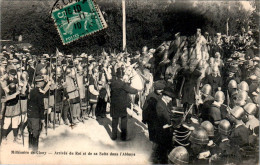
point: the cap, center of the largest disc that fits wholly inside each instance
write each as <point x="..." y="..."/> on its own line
<point x="250" y="32"/>
<point x="38" y="78"/>
<point x="168" y="92"/>
<point x="159" y="85"/>
<point x="12" y="72"/>
<point x="45" y="56"/>
<point x="15" y="60"/>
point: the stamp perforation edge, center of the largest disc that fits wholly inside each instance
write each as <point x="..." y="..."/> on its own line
<point x="103" y="22"/>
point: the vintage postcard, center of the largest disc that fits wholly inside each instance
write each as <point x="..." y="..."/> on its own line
<point x="129" y="82"/>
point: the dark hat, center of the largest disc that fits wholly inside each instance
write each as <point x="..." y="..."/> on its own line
<point x="63" y="62"/>
<point x="38" y="78"/>
<point x="232" y="69"/>
<point x="159" y="85"/>
<point x="12" y="72"/>
<point x="169" y="92"/>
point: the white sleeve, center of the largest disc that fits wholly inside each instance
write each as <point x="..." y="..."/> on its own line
<point x="109" y="76"/>
<point x="92" y="90"/>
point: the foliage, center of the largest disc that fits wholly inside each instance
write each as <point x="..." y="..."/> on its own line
<point x="147" y="24"/>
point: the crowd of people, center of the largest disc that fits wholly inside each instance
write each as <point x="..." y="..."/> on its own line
<point x="198" y="95"/>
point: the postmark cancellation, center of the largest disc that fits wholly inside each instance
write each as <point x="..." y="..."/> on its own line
<point x="78" y="19"/>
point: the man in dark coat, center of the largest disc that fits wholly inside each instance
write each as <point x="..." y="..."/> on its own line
<point x="119" y="102"/>
<point x="35" y="113"/>
<point x="149" y="109"/>
<point x="150" y="116"/>
<point x="164" y="135"/>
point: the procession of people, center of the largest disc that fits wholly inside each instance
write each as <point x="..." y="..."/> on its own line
<point x="198" y="95"/>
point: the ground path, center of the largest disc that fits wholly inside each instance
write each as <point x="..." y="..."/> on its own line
<point x="91" y="137"/>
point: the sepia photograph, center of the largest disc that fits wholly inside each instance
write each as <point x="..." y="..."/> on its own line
<point x="129" y="82"/>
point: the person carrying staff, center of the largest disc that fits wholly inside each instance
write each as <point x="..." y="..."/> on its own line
<point x="73" y="94"/>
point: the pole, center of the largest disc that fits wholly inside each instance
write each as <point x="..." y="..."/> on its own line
<point x="124" y="25"/>
<point x="55" y="92"/>
<point x="49" y="93"/>
<point x="20" y="103"/>
<point x="87" y="87"/>
<point x="227" y="26"/>
<point x="34" y="72"/>
<point x="77" y="84"/>
<point x="70" y="111"/>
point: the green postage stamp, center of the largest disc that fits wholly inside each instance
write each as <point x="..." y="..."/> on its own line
<point x="78" y="19"/>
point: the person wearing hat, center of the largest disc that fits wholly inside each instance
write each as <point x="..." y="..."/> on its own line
<point x="240" y="133"/>
<point x="199" y="140"/>
<point x="224" y="150"/>
<point x="72" y="95"/>
<point x="250" y="120"/>
<point x="216" y="110"/>
<point x="31" y="70"/>
<point x="12" y="110"/>
<point x="207" y="101"/>
<point x="252" y="123"/>
<point x="39" y="69"/>
<point x="217" y="44"/>
<point x="36" y="113"/>
<point x="48" y="91"/>
<point x="59" y="102"/>
<point x="149" y="111"/>
<point x="24" y="93"/>
<point x="232" y="74"/>
<point x="15" y="61"/>
<point x="163" y="113"/>
<point x="120" y="100"/>
<point x="104" y="92"/>
<point x="179" y="155"/>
